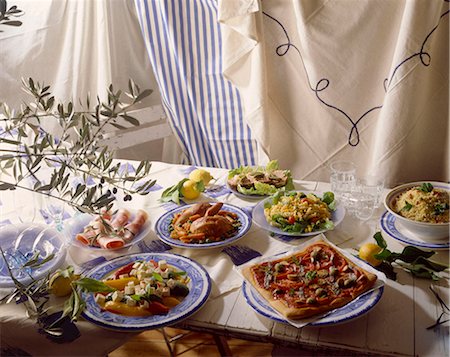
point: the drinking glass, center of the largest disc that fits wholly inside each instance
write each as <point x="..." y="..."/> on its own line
<point x="343" y="180"/>
<point x="372" y="185"/>
<point x="367" y="196"/>
<point x="364" y="205"/>
<point x="54" y="212"/>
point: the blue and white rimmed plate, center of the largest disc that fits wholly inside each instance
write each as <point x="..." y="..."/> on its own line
<point x="393" y="229"/>
<point x="19" y="242"/>
<point x="77" y="224"/>
<point x="352" y="310"/>
<point x="260" y="219"/>
<point x="199" y="290"/>
<point x="162" y="228"/>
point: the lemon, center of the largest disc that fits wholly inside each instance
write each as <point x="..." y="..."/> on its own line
<point x="189" y="190"/>
<point x="200" y="175"/>
<point x="367" y="252"/>
<point x="60" y="285"/>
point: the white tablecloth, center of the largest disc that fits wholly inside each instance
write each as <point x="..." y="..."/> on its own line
<point x="16" y="206"/>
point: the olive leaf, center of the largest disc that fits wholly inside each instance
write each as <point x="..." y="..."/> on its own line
<point x="93" y="285"/>
<point x="6" y="14"/>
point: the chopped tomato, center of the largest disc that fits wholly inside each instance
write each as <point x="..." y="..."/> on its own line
<point x="156" y="308"/>
<point x="291" y="220"/>
<point x="155" y="264"/>
<point x="124" y="270"/>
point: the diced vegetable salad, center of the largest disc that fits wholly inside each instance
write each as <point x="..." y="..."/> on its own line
<point x="143" y="288"/>
<point x="300" y="212"/>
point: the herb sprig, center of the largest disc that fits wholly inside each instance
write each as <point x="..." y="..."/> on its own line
<point x="36" y="294"/>
<point x="445" y="311"/>
<point x="174" y="193"/>
<point x="412" y="259"/>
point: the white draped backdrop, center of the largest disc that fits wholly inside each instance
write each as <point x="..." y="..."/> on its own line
<point x="304" y="82"/>
<point x="365" y="80"/>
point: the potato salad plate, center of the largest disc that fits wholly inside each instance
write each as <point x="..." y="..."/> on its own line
<point x="146" y="307"/>
<point x="203" y="225"/>
<point x="298" y="213"/>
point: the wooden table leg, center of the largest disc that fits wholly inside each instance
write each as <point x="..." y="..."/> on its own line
<point x="222" y="345"/>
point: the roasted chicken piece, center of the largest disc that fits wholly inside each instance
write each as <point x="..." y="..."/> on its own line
<point x="198" y="208"/>
<point x="212" y="224"/>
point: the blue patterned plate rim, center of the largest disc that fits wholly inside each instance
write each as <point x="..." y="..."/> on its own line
<point x="260" y="219"/>
<point x="199" y="290"/>
<point x="77" y="223"/>
<point x="387" y="223"/>
<point x="46" y="239"/>
<point x="163" y="222"/>
<point x="352" y="310"/>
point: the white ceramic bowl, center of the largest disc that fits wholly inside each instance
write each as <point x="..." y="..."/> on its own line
<point x="423" y="230"/>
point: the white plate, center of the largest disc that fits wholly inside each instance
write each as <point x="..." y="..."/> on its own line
<point x="260" y="219"/>
<point x="77" y="224"/>
<point x="393" y="229"/>
<point x="163" y="223"/>
<point x="244" y="196"/>
<point x="199" y="290"/>
<point x="352" y="310"/>
<point x="19" y="241"/>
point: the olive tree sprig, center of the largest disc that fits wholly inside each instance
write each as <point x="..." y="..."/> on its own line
<point x="27" y="147"/>
<point x="6" y="14"/>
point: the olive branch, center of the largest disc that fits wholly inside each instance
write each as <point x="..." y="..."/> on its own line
<point x="26" y="148"/>
<point x="6" y="14"/>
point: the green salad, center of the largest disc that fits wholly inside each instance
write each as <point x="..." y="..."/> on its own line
<point x="260" y="180"/>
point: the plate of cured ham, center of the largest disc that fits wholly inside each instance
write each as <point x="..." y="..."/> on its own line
<point x="109" y="230"/>
<point x="203" y="225"/>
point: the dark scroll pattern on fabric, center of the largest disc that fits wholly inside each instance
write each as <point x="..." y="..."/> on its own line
<point x="322" y="84"/>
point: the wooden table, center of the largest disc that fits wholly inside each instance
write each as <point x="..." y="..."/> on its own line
<point x="396" y="325"/>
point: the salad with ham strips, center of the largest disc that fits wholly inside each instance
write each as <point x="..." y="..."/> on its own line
<point x="112" y="230"/>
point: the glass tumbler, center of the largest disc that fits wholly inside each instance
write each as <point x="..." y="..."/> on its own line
<point x="367" y="196"/>
<point x="343" y="180"/>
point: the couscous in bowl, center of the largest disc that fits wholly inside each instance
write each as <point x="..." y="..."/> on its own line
<point x="421" y="208"/>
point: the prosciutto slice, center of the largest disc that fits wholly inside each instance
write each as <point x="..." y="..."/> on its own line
<point x="92" y="230"/>
<point x="107" y="242"/>
<point x="121" y="218"/>
<point x="135" y="226"/>
<point x="112" y="231"/>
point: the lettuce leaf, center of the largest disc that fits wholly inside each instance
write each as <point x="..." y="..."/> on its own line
<point x="272" y="166"/>
<point x="259" y="189"/>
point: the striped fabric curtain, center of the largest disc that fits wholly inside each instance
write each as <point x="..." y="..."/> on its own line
<point x="184" y="44"/>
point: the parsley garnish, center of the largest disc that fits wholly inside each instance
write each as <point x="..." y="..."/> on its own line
<point x="440" y="208"/>
<point x="311" y="275"/>
<point x="407" y="206"/>
<point x="426" y="187"/>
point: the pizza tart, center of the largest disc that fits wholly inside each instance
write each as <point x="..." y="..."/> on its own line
<point x="315" y="280"/>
